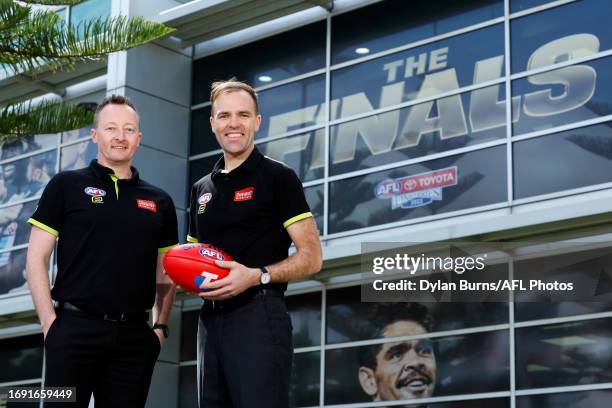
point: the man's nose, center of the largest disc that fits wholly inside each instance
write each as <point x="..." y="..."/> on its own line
<point x="233" y="121"/>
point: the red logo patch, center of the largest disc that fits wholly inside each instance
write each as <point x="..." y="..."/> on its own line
<point x="244" y="194"/>
<point x="147" y="205"/>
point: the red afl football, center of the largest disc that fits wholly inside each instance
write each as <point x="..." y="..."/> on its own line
<point x="190" y="265"/>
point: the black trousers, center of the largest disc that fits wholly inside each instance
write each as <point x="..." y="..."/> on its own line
<point x="245" y="354"/>
<point x="112" y="360"/>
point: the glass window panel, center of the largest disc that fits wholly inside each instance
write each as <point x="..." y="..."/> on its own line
<point x="314" y="198"/>
<point x="583" y="399"/>
<point x="571" y="94"/>
<point x="292" y="106"/>
<point x="14" y="228"/>
<point x="395" y="23"/>
<point x="429" y="188"/>
<point x="21" y="358"/>
<point x="417" y="368"/>
<point x="564" y="354"/>
<point x="88" y="10"/>
<point x="305" y="312"/>
<point x="201" y="167"/>
<point x="12" y="272"/>
<point x="520" y="5"/>
<point x="432" y="127"/>
<point x="26" y="144"/>
<point x="304" y="153"/>
<point x="575" y="158"/>
<point x="189" y="333"/>
<point x="202" y="138"/>
<point x="263" y="62"/>
<point x="77" y="156"/>
<point x="350" y="319"/>
<point x="437" y="67"/>
<point x="485" y="403"/>
<point x="26" y="177"/>
<point x="546" y="38"/>
<point x="76" y="134"/>
<point x="304" y="383"/>
<point x="188" y="387"/>
<point x="585" y="269"/>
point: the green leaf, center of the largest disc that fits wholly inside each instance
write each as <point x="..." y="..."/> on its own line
<point x="11" y="15"/>
<point x="46" y="40"/>
<point x="47" y="117"/>
<point x="53" y="2"/>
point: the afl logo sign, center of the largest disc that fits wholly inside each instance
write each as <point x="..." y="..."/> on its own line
<point x="94" y="192"/>
<point x="204" y="198"/>
<point x="211" y="253"/>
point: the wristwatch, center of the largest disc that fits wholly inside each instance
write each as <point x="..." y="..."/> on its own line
<point x="265" y="276"/>
<point x="163" y="328"/>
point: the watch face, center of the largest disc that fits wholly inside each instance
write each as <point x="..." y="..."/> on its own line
<point x="265" y="278"/>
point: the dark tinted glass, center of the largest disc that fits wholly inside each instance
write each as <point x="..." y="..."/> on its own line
<point x="305" y="312"/>
<point x="350" y="319"/>
<point x="418" y="368"/>
<point x="12" y="267"/>
<point x="304" y="153"/>
<point x="432" y="127"/>
<point x="520" y="5"/>
<point x="263" y="62"/>
<point x="21" y="358"/>
<point x="188" y="387"/>
<point x="396" y="22"/>
<point x="26" y="144"/>
<point x="304" y="384"/>
<point x="566" y="95"/>
<point x="546" y="38"/>
<point x="202" y="138"/>
<point x="26" y="177"/>
<point x="292" y="106"/>
<point x="564" y="354"/>
<point x="429" y="188"/>
<point x="189" y="331"/>
<point x="314" y="198"/>
<point x="583" y="399"/>
<point x="562" y="161"/>
<point x="437" y="67"/>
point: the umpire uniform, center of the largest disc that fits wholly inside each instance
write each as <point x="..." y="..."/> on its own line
<point x="110" y="233"/>
<point x="245" y="342"/>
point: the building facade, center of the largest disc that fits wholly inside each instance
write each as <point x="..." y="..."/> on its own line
<point x="479" y="120"/>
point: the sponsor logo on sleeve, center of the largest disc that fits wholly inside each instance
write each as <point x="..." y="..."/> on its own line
<point x="147" y="205"/>
<point x="417" y="190"/>
<point x="244" y="194"/>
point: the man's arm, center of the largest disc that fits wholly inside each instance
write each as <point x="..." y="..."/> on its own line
<point x="163" y="299"/>
<point x="37" y="271"/>
<point x="304" y="262"/>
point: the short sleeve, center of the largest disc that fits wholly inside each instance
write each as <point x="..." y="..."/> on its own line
<point x="192" y="234"/>
<point x="49" y="214"/>
<point x="290" y="198"/>
<point x="169" y="235"/>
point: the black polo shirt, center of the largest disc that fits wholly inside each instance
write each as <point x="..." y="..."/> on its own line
<point x="246" y="212"/>
<point x="110" y="233"/>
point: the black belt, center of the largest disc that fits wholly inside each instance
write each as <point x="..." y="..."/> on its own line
<point x="243" y="298"/>
<point x="111" y="317"/>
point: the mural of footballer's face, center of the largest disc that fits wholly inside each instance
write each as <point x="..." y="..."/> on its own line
<point x="404" y="369"/>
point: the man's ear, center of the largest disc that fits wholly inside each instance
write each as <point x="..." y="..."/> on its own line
<point x="368" y="381"/>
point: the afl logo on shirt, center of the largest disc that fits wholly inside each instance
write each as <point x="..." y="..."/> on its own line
<point x="95" y="192"/>
<point x="202" y="200"/>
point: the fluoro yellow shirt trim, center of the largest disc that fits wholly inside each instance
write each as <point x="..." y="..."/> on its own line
<point x="43" y="227"/>
<point x="165" y="249"/>
<point x="297" y="218"/>
<point x="192" y="239"/>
